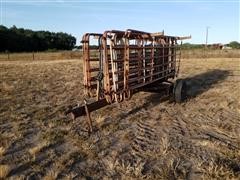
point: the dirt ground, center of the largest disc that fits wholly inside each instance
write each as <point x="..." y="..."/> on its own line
<point x="147" y="137"/>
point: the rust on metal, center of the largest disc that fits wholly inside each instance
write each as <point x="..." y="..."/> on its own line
<point x="116" y="63"/>
<point x="88" y="116"/>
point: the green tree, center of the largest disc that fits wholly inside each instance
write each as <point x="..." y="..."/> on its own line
<point x="18" y="40"/>
<point x="234" y="45"/>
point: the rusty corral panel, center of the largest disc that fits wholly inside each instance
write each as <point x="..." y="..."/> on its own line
<point x="118" y="62"/>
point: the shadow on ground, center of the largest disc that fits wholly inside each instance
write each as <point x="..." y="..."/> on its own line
<point x="201" y="83"/>
<point x="196" y="85"/>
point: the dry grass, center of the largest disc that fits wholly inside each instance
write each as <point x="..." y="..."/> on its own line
<point x="194" y="53"/>
<point x="35" y="150"/>
<point x="41" y="56"/>
<point x="131" y="170"/>
<point x="145" y="137"/>
<point x="52" y="175"/>
<point x="209" y="53"/>
<point x="2" y="151"/>
<point x="165" y="145"/>
<point x="4" y="171"/>
<point x="215" y="171"/>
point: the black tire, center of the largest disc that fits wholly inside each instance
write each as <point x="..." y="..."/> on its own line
<point x="180" y="90"/>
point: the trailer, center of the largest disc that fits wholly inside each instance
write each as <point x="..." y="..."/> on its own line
<point x="117" y="64"/>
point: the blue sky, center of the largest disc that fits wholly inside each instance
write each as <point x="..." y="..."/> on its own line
<point x="175" y="17"/>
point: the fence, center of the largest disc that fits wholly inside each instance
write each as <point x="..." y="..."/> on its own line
<point x="186" y="54"/>
<point x="42" y="55"/>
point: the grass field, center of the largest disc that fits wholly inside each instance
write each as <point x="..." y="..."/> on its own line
<point x="60" y="55"/>
<point x="29" y="56"/>
<point x="146" y="137"/>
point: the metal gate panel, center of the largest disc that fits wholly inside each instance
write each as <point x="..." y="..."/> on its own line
<point x="122" y="61"/>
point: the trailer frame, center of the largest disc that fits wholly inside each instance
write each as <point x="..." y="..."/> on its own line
<point x="117" y="64"/>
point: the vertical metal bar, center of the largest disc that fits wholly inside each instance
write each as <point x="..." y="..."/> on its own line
<point x="144" y="60"/>
<point x="99" y="81"/>
<point x="115" y="63"/>
<point x="163" y="56"/>
<point x="85" y="79"/>
<point x="88" y="62"/>
<point x="174" y="55"/>
<point x="139" y="44"/>
<point x="98" y="90"/>
<point x="112" y="55"/>
<point x="152" y="59"/>
<point x="179" y="59"/>
<point x="126" y="64"/>
<point x="169" y="55"/>
<point x="89" y="121"/>
<point x="106" y="69"/>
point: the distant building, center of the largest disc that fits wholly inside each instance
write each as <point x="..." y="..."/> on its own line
<point x="215" y="46"/>
<point x="75" y="49"/>
<point x="226" y="47"/>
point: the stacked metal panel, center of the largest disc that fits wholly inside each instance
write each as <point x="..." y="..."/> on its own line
<point x="117" y="62"/>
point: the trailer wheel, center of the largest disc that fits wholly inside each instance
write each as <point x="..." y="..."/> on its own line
<point x="180" y="90"/>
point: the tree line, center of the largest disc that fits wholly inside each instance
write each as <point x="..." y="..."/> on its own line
<point x="233" y="45"/>
<point x="24" y="40"/>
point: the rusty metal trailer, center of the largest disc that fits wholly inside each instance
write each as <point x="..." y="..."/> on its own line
<point x="118" y="63"/>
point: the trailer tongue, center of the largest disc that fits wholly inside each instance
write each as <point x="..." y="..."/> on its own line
<point x="117" y="64"/>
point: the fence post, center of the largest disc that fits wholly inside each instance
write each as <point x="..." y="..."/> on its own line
<point x="33" y="55"/>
